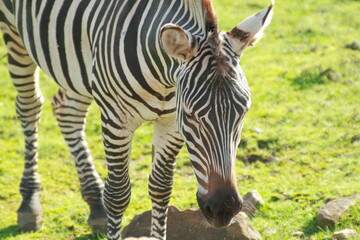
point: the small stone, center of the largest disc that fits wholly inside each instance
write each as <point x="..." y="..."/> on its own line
<point x="258" y="130"/>
<point x="330" y="75"/>
<point x="354" y="45"/>
<point x="190" y="224"/>
<point x="298" y="234"/>
<point x="334" y="76"/>
<point x="270" y="231"/>
<point x="314" y="48"/>
<point x="345" y="234"/>
<point x="329" y="214"/>
<point x="252" y="202"/>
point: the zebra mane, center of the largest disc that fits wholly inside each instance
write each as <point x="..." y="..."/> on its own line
<point x="214" y="41"/>
<point x="211" y="23"/>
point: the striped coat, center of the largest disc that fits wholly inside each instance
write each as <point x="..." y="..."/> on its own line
<point x="147" y="60"/>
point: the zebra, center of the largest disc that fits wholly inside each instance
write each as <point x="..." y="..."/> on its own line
<point x="147" y="60"/>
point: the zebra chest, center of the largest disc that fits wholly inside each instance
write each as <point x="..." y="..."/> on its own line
<point x="149" y="101"/>
<point x="136" y="101"/>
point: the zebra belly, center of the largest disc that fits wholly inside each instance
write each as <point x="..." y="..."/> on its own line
<point x="55" y="35"/>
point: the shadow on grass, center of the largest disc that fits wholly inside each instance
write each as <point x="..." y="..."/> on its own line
<point x="10" y="231"/>
<point x="307" y="79"/>
<point x="91" y="236"/>
<point x="311" y="228"/>
<point x="316" y="76"/>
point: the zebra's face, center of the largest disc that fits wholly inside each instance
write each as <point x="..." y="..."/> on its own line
<point x="211" y="109"/>
<point x="212" y="99"/>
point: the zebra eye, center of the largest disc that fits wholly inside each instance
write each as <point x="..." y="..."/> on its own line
<point x="189" y="115"/>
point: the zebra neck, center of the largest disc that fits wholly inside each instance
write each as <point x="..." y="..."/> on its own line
<point x="130" y="31"/>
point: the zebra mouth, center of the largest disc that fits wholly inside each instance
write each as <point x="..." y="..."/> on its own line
<point x="218" y="224"/>
<point x="220" y="221"/>
<point x="218" y="215"/>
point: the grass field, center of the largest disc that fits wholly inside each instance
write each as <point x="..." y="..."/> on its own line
<point x="301" y="139"/>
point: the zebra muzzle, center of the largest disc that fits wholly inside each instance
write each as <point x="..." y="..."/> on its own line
<point x="221" y="206"/>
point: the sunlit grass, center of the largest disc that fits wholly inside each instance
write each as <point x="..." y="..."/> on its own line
<point x="302" y="128"/>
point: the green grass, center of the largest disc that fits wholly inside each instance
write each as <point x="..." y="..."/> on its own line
<point x="302" y="131"/>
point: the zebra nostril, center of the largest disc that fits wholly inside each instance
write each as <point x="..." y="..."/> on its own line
<point x="208" y="212"/>
<point x="229" y="214"/>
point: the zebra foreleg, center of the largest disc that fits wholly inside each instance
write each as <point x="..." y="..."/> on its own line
<point x="28" y="108"/>
<point x="166" y="146"/>
<point x="117" y="143"/>
<point x="70" y="110"/>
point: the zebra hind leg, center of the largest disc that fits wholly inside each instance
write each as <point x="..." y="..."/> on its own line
<point x="70" y="110"/>
<point x="166" y="146"/>
<point x="24" y="75"/>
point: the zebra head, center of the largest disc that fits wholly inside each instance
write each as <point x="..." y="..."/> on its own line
<point x="212" y="99"/>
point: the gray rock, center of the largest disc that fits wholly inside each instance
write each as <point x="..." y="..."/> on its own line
<point x="190" y="224"/>
<point x="334" y="76"/>
<point x="298" y="234"/>
<point x="269" y="231"/>
<point x="252" y="202"/>
<point x="354" y="45"/>
<point x="329" y="214"/>
<point x="258" y="130"/>
<point x="314" y="48"/>
<point x="345" y="234"/>
<point x="330" y="75"/>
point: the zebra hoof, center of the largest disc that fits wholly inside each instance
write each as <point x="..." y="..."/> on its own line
<point x="30" y="213"/>
<point x="98" y="219"/>
<point x="29" y="222"/>
<point x="98" y="225"/>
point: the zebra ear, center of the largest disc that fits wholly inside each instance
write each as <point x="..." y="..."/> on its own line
<point x="249" y="31"/>
<point x="177" y="42"/>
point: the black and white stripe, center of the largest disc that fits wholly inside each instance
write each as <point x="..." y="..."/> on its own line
<point x="146" y="60"/>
